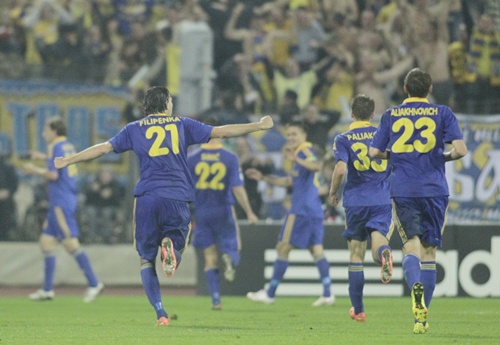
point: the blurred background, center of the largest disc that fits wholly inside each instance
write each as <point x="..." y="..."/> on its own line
<point x="90" y="61"/>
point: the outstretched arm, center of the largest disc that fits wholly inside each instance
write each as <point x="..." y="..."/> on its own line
<point x="85" y="155"/>
<point x="282" y="181"/>
<point x="229" y="131"/>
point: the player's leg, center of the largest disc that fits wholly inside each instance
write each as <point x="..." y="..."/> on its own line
<point x="381" y="224"/>
<point x="147" y="237"/>
<point x="151" y="286"/>
<point x="327" y="298"/>
<point x="433" y="224"/>
<point x="67" y="227"/>
<point x="283" y="248"/>
<point x="229" y="243"/>
<point x="357" y="250"/>
<point x="382" y="253"/>
<point x="48" y="245"/>
<point x="314" y="227"/>
<point x="95" y="287"/>
<point x="212" y="275"/>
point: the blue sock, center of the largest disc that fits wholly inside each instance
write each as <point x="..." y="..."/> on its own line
<point x="279" y="270"/>
<point x="152" y="288"/>
<point x="380" y="250"/>
<point x="428" y="279"/>
<point x="212" y="276"/>
<point x="50" y="269"/>
<point x="324" y="273"/>
<point x="411" y="268"/>
<point x="84" y="263"/>
<point x="356" y="285"/>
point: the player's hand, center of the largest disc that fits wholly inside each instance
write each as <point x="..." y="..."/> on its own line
<point x="334" y="199"/>
<point x="252" y="218"/>
<point x="254" y="174"/>
<point x="266" y="122"/>
<point x="60" y="162"/>
<point x="37" y="155"/>
<point x="29" y="168"/>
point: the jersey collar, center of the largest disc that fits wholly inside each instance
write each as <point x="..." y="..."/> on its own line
<point x="359" y="124"/>
<point x="415" y="100"/>
<point x="210" y="146"/>
<point x="158" y="114"/>
<point x="301" y="146"/>
<point x="58" y="139"/>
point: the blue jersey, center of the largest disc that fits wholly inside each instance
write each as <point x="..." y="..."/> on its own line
<point x="415" y="132"/>
<point x="160" y="142"/>
<point x="367" y="180"/>
<point x="305" y="197"/>
<point x="215" y="171"/>
<point x="63" y="191"/>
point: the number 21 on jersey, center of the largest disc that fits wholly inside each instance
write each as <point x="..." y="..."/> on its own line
<point x="159" y="134"/>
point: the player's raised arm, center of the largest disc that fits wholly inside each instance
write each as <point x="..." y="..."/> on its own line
<point x="85" y="155"/>
<point x="229" y="131"/>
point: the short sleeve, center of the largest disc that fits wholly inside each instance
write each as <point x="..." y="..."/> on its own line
<point x="122" y="142"/>
<point x="451" y="128"/>
<point x="236" y="176"/>
<point x="340" y="149"/>
<point x="196" y="132"/>
<point x="382" y="135"/>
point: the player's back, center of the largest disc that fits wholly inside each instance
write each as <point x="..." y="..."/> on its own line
<point x="418" y="132"/>
<point x="161" y="142"/>
<point x="63" y="191"/>
<point x="367" y="179"/>
<point x="215" y="172"/>
<point x="305" y="195"/>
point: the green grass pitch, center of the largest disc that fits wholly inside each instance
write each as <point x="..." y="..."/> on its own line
<point x="131" y="320"/>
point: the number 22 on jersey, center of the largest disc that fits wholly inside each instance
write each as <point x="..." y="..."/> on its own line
<point x="210" y="175"/>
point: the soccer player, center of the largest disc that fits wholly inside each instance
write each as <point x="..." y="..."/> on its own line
<point x="366" y="200"/>
<point x="413" y="136"/>
<point x="303" y="225"/>
<point x="61" y="224"/>
<point x="165" y="189"/>
<point x="217" y="177"/>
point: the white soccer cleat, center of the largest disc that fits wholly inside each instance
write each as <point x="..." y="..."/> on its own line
<point x="42" y="295"/>
<point x="93" y="292"/>
<point x="260" y="296"/>
<point x="324" y="301"/>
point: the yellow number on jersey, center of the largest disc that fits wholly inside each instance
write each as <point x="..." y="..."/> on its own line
<point x="402" y="146"/>
<point x="216" y="170"/>
<point x="156" y="149"/>
<point x="363" y="163"/>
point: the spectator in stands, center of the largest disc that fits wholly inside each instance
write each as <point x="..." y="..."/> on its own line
<point x="41" y="21"/>
<point x="103" y="199"/>
<point x="318" y="126"/>
<point x="483" y="71"/>
<point x="8" y="187"/>
<point x="309" y="35"/>
<point x="96" y="50"/>
<point x="289" y="110"/>
<point x="227" y="109"/>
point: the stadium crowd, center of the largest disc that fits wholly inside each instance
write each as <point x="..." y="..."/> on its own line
<point x="295" y="59"/>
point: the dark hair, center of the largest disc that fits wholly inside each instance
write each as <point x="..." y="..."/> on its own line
<point x="57" y="124"/>
<point x="155" y="100"/>
<point x="298" y="124"/>
<point x="362" y="107"/>
<point x="418" y="83"/>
